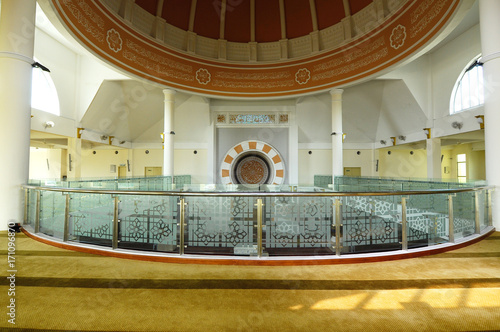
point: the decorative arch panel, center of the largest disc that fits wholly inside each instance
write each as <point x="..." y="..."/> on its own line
<point x="252" y="163"/>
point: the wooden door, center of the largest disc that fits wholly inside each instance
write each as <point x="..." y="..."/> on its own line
<point x="153" y="171"/>
<point x="352" y="171"/>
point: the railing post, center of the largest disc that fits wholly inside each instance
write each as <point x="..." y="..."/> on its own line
<point x="338" y="246"/>
<point x="451" y="225"/>
<point x="115" y="223"/>
<point x="404" y="225"/>
<point x="37" y="214"/>
<point x="259" y="206"/>
<point x="476" y="207"/>
<point x="490" y="213"/>
<point x="66" y="219"/>
<point x="182" y="224"/>
<point x="25" y="219"/>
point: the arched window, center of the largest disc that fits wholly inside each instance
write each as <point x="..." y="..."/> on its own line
<point x="469" y="89"/>
<point x="43" y="92"/>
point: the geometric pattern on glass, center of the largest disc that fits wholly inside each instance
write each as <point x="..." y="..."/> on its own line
<point x="91" y="217"/>
<point x="30" y="220"/>
<point x="224" y="222"/>
<point x="464" y="214"/>
<point x="52" y="213"/>
<point x="148" y="219"/>
<point x="298" y="222"/>
<point x="369" y="222"/>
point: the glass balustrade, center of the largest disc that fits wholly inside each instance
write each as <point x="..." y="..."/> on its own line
<point x="154" y="214"/>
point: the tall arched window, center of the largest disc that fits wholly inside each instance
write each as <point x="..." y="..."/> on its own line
<point x="43" y="92"/>
<point x="469" y="88"/>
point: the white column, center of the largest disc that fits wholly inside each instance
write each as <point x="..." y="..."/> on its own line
<point x="168" y="133"/>
<point x="337" y="162"/>
<point x="433" y="147"/>
<point x="17" y="26"/>
<point x="489" y="13"/>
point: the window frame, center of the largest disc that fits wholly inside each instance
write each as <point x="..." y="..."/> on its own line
<point x="462" y="178"/>
<point x="53" y="106"/>
<point x="476" y="92"/>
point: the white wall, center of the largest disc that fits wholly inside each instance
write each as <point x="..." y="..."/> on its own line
<point x="141" y="160"/>
<point x="186" y="162"/>
<point x="62" y="63"/>
<point x="447" y="64"/>
<point x="319" y="162"/>
<point x="192" y="120"/>
<point x="45" y="163"/>
<point x="98" y="164"/>
<point x="400" y="163"/>
<point x="476" y="169"/>
<point x="314" y="119"/>
<point x="90" y="74"/>
<point x="365" y="159"/>
<point x="416" y="76"/>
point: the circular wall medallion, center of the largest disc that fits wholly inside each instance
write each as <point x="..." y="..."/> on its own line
<point x="252" y="162"/>
<point x="251" y="170"/>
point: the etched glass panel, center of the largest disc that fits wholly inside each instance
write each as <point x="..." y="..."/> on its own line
<point x="298" y="226"/>
<point x="148" y="223"/>
<point x="30" y="219"/>
<point x="428" y="221"/>
<point x="223" y="225"/>
<point x="463" y="214"/>
<point x="371" y="223"/>
<point x="91" y="218"/>
<point x="483" y="209"/>
<point x="52" y="213"/>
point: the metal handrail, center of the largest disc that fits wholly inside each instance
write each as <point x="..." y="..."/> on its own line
<point x="257" y="193"/>
<point x="336" y="220"/>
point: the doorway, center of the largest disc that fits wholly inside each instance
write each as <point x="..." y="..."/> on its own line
<point x="352" y="171"/>
<point x="153" y="171"/>
<point x="122" y="171"/>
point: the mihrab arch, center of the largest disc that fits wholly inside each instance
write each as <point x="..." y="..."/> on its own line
<point x="252" y="163"/>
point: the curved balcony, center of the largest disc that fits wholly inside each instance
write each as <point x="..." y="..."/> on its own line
<point x="153" y="219"/>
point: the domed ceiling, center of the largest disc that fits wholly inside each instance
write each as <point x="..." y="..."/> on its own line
<point x="254" y="48"/>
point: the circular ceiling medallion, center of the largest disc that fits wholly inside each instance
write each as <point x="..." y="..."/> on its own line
<point x="252" y="162"/>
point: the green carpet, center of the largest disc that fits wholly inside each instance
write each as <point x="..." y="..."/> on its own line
<point x="61" y="290"/>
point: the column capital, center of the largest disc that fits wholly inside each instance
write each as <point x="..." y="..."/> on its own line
<point x="336" y="94"/>
<point x="169" y="93"/>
